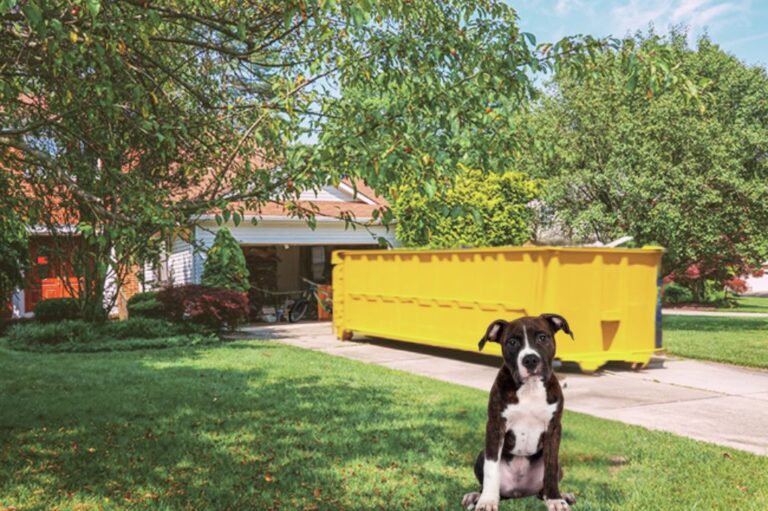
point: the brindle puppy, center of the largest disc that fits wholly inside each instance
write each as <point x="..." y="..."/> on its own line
<point x="522" y="435"/>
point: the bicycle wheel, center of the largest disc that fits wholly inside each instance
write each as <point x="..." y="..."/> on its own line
<point x="298" y="310"/>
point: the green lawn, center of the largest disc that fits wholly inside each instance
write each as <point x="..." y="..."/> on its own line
<point x="257" y="425"/>
<point x="742" y="341"/>
<point x="750" y="304"/>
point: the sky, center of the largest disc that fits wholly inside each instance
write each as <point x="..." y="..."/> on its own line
<point x="740" y="27"/>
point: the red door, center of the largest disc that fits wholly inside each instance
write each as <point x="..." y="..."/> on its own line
<point x="49" y="276"/>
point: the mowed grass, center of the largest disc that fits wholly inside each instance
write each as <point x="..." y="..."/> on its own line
<point x="741" y="341"/>
<point x="258" y="425"/>
<point x="750" y="304"/>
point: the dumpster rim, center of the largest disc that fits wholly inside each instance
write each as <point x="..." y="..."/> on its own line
<point x="338" y="254"/>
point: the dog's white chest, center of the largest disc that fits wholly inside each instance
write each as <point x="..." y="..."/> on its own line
<point x="529" y="417"/>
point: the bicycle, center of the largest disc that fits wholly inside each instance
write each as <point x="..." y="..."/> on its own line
<point x="298" y="309"/>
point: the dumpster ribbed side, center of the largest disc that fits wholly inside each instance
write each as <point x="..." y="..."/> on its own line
<point x="447" y="298"/>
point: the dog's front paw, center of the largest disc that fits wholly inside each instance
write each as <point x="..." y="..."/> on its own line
<point x="557" y="505"/>
<point x="469" y="500"/>
<point x="486" y="504"/>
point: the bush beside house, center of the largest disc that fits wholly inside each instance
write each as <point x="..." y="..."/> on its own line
<point x="221" y="302"/>
<point x="145" y="305"/>
<point x="212" y="307"/>
<point x="225" y="264"/>
<point x="57" y="309"/>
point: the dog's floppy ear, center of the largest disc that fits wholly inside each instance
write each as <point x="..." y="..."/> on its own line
<point x="558" y="323"/>
<point x="493" y="333"/>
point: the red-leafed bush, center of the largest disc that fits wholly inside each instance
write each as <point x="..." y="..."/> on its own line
<point x="693" y="272"/>
<point x="737" y="285"/>
<point x="213" y="307"/>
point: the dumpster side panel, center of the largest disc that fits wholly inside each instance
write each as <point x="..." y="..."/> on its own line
<point x="447" y="298"/>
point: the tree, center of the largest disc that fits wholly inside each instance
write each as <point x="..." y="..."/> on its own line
<point x="132" y="118"/>
<point x="477" y="210"/>
<point x="690" y="177"/>
<point x="14" y="248"/>
<point x="14" y="255"/>
<point x="225" y="264"/>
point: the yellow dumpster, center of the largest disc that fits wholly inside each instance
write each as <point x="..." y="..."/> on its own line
<point x="447" y="298"/>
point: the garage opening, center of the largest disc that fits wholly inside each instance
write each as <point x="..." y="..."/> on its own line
<point x="282" y="268"/>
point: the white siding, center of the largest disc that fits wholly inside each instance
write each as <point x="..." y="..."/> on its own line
<point x="149" y="276"/>
<point x="178" y="266"/>
<point x="180" y="263"/>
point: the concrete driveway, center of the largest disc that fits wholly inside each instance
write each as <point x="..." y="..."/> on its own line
<point x="716" y="403"/>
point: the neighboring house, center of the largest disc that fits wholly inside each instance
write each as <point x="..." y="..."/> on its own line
<point x="759" y="285"/>
<point x="280" y="250"/>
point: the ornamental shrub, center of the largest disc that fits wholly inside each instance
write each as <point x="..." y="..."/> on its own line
<point x="225" y="264"/>
<point x="57" y="309"/>
<point x="675" y="294"/>
<point x="477" y="209"/>
<point x="145" y="305"/>
<point x="216" y="308"/>
<point x="142" y="297"/>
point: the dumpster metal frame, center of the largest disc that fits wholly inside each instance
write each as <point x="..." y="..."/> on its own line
<point x="613" y="316"/>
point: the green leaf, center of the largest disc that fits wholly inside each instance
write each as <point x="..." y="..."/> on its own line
<point x="530" y="38"/>
<point x="33" y="14"/>
<point x="94" y="6"/>
<point x="632" y="83"/>
<point x="430" y="187"/>
<point x="6" y="5"/>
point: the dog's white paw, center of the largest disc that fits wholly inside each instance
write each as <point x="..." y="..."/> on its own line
<point x="557" y="505"/>
<point x="486" y="504"/>
<point x="469" y="500"/>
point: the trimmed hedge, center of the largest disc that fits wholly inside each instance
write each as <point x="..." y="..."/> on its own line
<point x="57" y="309"/>
<point x="78" y="335"/>
<point x="173" y="341"/>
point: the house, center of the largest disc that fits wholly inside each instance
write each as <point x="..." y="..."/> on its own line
<point x="758" y="286"/>
<point x="280" y="250"/>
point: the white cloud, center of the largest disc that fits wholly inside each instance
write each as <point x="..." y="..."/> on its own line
<point x="686" y="7"/>
<point x="696" y="14"/>
<point x="563" y="7"/>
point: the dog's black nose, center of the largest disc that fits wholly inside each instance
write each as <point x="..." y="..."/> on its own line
<point x="530" y="361"/>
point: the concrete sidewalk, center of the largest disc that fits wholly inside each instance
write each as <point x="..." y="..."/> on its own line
<point x="716" y="403"/>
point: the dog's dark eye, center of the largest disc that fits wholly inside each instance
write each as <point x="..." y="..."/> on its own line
<point x="541" y="338"/>
<point x="513" y="341"/>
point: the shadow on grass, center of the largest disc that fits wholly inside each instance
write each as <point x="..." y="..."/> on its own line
<point x="713" y="324"/>
<point x="181" y="429"/>
<point x="461" y="355"/>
